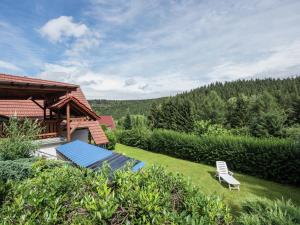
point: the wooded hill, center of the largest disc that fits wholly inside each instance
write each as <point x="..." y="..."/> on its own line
<point x="283" y="91"/>
<point x="119" y="108"/>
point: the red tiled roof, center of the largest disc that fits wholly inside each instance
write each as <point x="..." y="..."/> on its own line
<point x="29" y="80"/>
<point x="108" y="121"/>
<point x="27" y="108"/>
<point x="95" y="129"/>
<point x="20" y="108"/>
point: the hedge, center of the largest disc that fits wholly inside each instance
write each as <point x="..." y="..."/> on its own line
<point x="269" y="158"/>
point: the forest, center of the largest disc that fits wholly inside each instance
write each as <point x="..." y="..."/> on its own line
<point x="260" y="108"/>
<point x="119" y="108"/>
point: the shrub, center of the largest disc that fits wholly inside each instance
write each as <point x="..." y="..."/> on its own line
<point x="135" y="137"/>
<point x="260" y="212"/>
<point x="292" y="132"/>
<point x="19" y="141"/>
<point x="69" y="195"/>
<point x="16" y="169"/>
<point x="240" y="131"/>
<point x="205" y="128"/>
<point x="46" y="164"/>
<point x="104" y="127"/>
<point x="268" y="158"/>
<point x="112" y="139"/>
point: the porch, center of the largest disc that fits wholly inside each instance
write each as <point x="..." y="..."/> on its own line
<point x="53" y="104"/>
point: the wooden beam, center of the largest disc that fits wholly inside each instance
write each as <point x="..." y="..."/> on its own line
<point x="68" y="123"/>
<point x="37" y="104"/>
<point x="75" y="127"/>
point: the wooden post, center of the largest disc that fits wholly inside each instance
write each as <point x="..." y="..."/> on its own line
<point x="44" y="112"/>
<point x="58" y="123"/>
<point x="45" y="108"/>
<point x="68" y="123"/>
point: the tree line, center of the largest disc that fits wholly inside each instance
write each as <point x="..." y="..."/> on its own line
<point x="257" y="107"/>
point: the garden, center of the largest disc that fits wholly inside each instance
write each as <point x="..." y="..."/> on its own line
<point x="168" y="191"/>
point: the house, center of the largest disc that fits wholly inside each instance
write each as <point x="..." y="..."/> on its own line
<point x="60" y="108"/>
<point x="108" y="121"/>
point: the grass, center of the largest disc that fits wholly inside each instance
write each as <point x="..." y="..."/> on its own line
<point x="203" y="176"/>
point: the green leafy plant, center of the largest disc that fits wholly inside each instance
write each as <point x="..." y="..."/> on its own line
<point x="111" y="138"/>
<point x="16" y="169"/>
<point x="69" y="195"/>
<point x="20" y="139"/>
<point x="263" y="211"/>
<point x="205" y="128"/>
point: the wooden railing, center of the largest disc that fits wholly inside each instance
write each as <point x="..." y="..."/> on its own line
<point x="50" y="128"/>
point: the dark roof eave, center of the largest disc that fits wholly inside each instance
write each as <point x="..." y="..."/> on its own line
<point x="42" y="86"/>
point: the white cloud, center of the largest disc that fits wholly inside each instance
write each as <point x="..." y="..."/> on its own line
<point x="9" y="66"/>
<point x="63" y="27"/>
<point x="283" y="61"/>
<point x="143" y="49"/>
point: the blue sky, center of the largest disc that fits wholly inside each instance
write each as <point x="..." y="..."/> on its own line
<point x="126" y="49"/>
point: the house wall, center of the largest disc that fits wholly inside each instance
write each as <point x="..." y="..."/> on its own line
<point x="80" y="134"/>
<point x="48" y="147"/>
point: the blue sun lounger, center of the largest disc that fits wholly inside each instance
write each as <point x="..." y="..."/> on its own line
<point x="93" y="157"/>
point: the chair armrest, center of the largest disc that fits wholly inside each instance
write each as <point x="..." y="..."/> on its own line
<point x="230" y="173"/>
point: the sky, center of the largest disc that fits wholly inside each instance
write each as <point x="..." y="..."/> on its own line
<point x="136" y="49"/>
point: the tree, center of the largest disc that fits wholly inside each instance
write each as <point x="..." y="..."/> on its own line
<point x="185" y="115"/>
<point x="213" y="108"/>
<point x="127" y="122"/>
<point x="267" y="118"/>
<point x="237" y="111"/>
<point x="295" y="111"/>
<point x="155" y="116"/>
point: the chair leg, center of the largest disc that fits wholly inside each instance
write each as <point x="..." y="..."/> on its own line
<point x="229" y="187"/>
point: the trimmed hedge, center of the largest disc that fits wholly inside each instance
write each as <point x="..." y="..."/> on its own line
<point x="269" y="158"/>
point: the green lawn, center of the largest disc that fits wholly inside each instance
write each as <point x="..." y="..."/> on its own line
<point x="203" y="176"/>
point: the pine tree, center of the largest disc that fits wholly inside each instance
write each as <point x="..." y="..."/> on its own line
<point x="267" y="118"/>
<point x="127" y="122"/>
<point x="295" y="111"/>
<point x="213" y="108"/>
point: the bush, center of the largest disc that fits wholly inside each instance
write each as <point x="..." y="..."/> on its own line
<point x="240" y="131"/>
<point x="292" y="132"/>
<point x="135" y="137"/>
<point x="205" y="128"/>
<point x="261" y="212"/>
<point x="16" y="169"/>
<point x="19" y="141"/>
<point x="112" y="139"/>
<point x="69" y="195"/>
<point x="269" y="158"/>
<point x="46" y="164"/>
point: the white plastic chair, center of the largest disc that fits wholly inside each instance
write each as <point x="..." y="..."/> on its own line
<point x="225" y="175"/>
